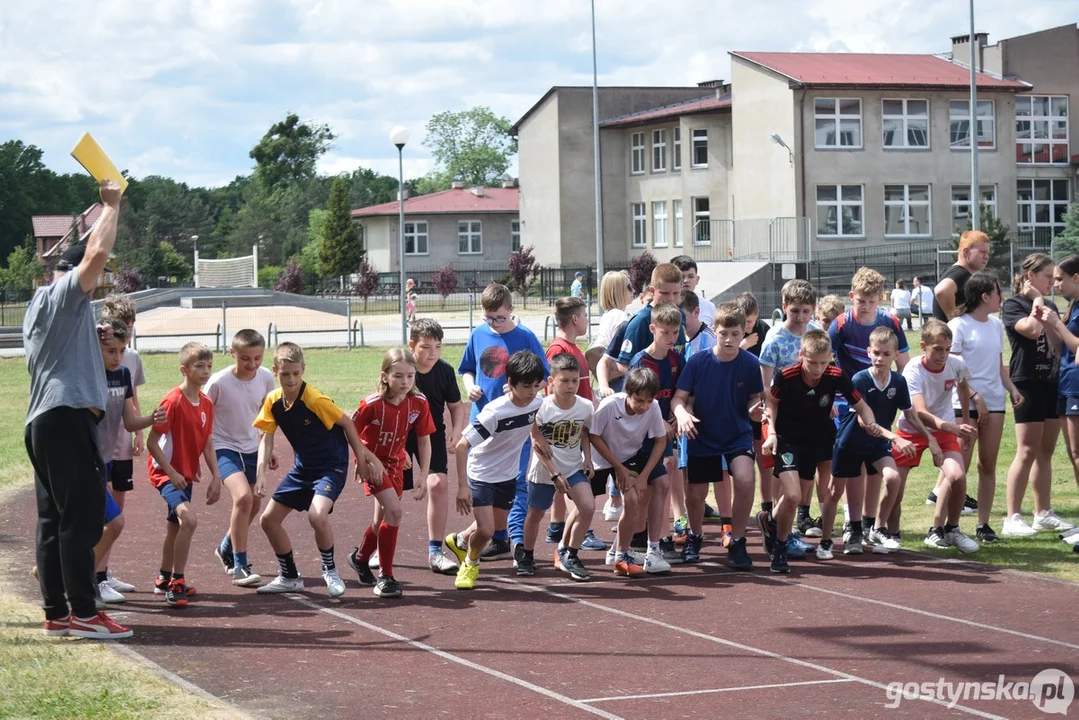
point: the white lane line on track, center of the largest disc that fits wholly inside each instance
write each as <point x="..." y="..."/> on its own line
<point x="683" y="693"/>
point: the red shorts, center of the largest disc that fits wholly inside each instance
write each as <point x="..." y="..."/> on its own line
<point x="389" y="479"/>
<point x="947" y="441"/>
<point x="767" y="461"/>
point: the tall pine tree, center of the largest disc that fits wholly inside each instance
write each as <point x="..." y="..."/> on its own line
<point x="341" y="251"/>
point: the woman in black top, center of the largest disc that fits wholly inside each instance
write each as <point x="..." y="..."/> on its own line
<point x="973" y="256"/>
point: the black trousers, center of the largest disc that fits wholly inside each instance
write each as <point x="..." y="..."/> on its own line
<point x="69" y="477"/>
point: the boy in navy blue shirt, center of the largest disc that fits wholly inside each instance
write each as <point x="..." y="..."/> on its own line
<point x="727" y="382"/>
<point x="666" y="286"/>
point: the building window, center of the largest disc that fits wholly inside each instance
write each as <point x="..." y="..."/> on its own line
<point x="677" y="222"/>
<point x="677" y="149"/>
<point x="1041" y="129"/>
<point x="659" y="224"/>
<point x="416" y="238"/>
<point x="906" y="210"/>
<point x="959" y="124"/>
<point x="961" y="205"/>
<point x="659" y="151"/>
<point x="636" y="153"/>
<point x="838" y="122"/>
<point x="700" y="148"/>
<point x="906" y="123"/>
<point x="702" y="226"/>
<point x="1042" y="204"/>
<point x="515" y="235"/>
<point x="840" y="210"/>
<point x="469" y="237"/>
<point x="640" y="225"/>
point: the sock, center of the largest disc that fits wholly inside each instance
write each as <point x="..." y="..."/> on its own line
<point x="178" y="577"/>
<point x="653" y="546"/>
<point x="287" y="565"/>
<point x="164" y="576"/>
<point x="367" y="547"/>
<point x="856" y="526"/>
<point x="868" y="522"/>
<point x="573" y="551"/>
<point x="724" y="520"/>
<point x="387" y="546"/>
<point x="327" y="559"/>
<point x="470" y="561"/>
<point x="503" y="535"/>
<point x="239" y="559"/>
<point x="950" y="528"/>
<point x="102" y="576"/>
<point x="226" y="545"/>
<point x="803" y="512"/>
<point x="434" y="547"/>
<point x="767" y="506"/>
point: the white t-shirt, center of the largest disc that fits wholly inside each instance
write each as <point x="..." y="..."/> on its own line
<point x="236" y="405"/>
<point x="924" y="296"/>
<point x="624" y="433"/>
<point x="901" y="299"/>
<point x="563" y="430"/>
<point x="133" y="363"/>
<point x="708" y="310"/>
<point x="496" y="437"/>
<point x="980" y="344"/>
<point x="934" y="387"/>
<point x="607" y="325"/>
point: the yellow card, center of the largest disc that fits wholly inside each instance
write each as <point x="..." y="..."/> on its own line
<point x="97" y="163"/>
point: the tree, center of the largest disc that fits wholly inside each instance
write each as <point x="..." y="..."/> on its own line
<point x="1067" y="242"/>
<point x="341" y="250"/>
<point x="127" y="280"/>
<point x="291" y="280"/>
<point x="289" y="151"/>
<point x="524" y="270"/>
<point x="640" y="270"/>
<point x="1000" y="243"/>
<point x="474" y="145"/>
<point x="269" y="275"/>
<point x="173" y="264"/>
<point x="366" y="282"/>
<point x="23" y="268"/>
<point x="445" y="280"/>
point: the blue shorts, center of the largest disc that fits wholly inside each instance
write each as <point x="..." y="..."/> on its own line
<point x="842" y="406"/>
<point x="498" y="495"/>
<point x="541" y="495"/>
<point x="848" y="463"/>
<point x="175" y="498"/>
<point x="230" y="462"/>
<point x="112" y="510"/>
<point x="299" y="487"/>
<point x="1068" y="405"/>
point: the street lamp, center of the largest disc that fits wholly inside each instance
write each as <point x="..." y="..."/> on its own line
<point x="399" y="137"/>
<point x="779" y="141"/>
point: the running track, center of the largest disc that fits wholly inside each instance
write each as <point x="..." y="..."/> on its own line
<point x="699" y="643"/>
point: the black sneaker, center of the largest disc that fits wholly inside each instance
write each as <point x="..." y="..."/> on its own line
<point x="767" y="532"/>
<point x="986" y="534"/>
<point x="779" y="559"/>
<point x="852" y="544"/>
<point x="737" y="555"/>
<point x="970" y="505"/>
<point x="554" y="533"/>
<point x="497" y="550"/>
<point x="526" y="565"/>
<point x="573" y="567"/>
<point x="670" y="552"/>
<point x="519" y="554"/>
<point x="226" y="559"/>
<point x="691" y="551"/>
<point x="363" y="569"/>
<point x="931" y="499"/>
<point x="810" y="527"/>
<point x="387" y="587"/>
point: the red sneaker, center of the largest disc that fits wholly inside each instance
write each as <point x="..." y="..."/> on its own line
<point x="161" y="587"/>
<point x="176" y="595"/>
<point x="58" y="628"/>
<point x="99" y="627"/>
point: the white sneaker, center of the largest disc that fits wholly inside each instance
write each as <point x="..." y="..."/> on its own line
<point x="119" y="585"/>
<point x="334" y="583"/>
<point x="1049" y="520"/>
<point x="373" y="561"/>
<point x="638" y="557"/>
<point x="957" y="539"/>
<point x="443" y="565"/>
<point x="824" y="550"/>
<point x="654" y="563"/>
<point x="1016" y="526"/>
<point x="281" y="584"/>
<point x="611" y="513"/>
<point x="872" y="541"/>
<point x="885" y="540"/>
<point x="109" y="595"/>
<point x="612" y="555"/>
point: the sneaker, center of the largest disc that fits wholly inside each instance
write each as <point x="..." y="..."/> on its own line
<point x="107" y="594"/>
<point x="387" y="587"/>
<point x="886" y="540"/>
<point x="824" y="550"/>
<point x="58" y="628"/>
<point x="810" y="527"/>
<point x="373" y="561"/>
<point x="334" y="584"/>
<point x="176" y="595"/>
<point x="1016" y="526"/>
<point x="612" y="556"/>
<point x="935" y="539"/>
<point x="956" y="538"/>
<point x="871" y="542"/>
<point x="560" y="554"/>
<point x="853" y="542"/>
<point x="457" y="548"/>
<point x="710" y="513"/>
<point x="554" y="534"/>
<point x="802" y="544"/>
<point x="985" y="534"/>
<point x="526" y="566"/>
<point x="466" y="576"/>
<point x="117" y="584"/>
<point x="669" y="550"/>
<point x="99" y="602"/>
<point x="970" y="505"/>
<point x="591" y="542"/>
<point x="1049" y="520"/>
<point x="655" y="564"/>
<point x="779" y="559"/>
<point x="794" y="548"/>
<point x="162" y="586"/>
<point x="497" y="550"/>
<point x="726" y="533"/>
<point x="282" y="584"/>
<point x="518" y="553"/>
<point x="628" y="567"/>
<point x="691" y="551"/>
<point x="227" y="561"/>
<point x="243" y="577"/>
<point x="767" y="531"/>
<point x="737" y="555"/>
<point x="931" y="499"/>
<point x="573" y="567"/>
<point x="363" y="569"/>
<point x="611" y="513"/>
<point x="99" y="627"/>
<point x="442" y="565"/>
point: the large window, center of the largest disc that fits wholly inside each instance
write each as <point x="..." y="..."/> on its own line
<point x="659" y="150"/>
<point x="1041" y="129"/>
<point x="702" y="226"/>
<point x="906" y="123"/>
<point x="959" y="124"/>
<point x="416" y="238"/>
<point x="961" y="204"/>
<point x="1042" y="204"/>
<point x="469" y="237"/>
<point x="838" y="122"/>
<point x="677" y="222"/>
<point x="906" y="211"/>
<point x="636" y="153"/>
<point x="700" y="148"/>
<point x="677" y="149"/>
<point x="515" y="235"/>
<point x="640" y="225"/>
<point x="840" y="211"/>
<point x="659" y="224"/>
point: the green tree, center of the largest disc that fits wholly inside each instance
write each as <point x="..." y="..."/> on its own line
<point x="23" y="268"/>
<point x="474" y="145"/>
<point x="1000" y="244"/>
<point x="173" y="264"/>
<point x="1067" y="242"/>
<point x="289" y="151"/>
<point x="341" y="251"/>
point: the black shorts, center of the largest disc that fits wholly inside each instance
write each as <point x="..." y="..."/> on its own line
<point x="122" y="472"/>
<point x="709" y="468"/>
<point x="802" y="459"/>
<point x="1040" y="401"/>
<point x="439" y="455"/>
<point x="974" y="414"/>
<point x="848" y="463"/>
<point x="635" y="463"/>
<point x="757" y="436"/>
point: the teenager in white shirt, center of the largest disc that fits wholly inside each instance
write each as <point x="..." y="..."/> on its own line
<point x="901" y="304"/>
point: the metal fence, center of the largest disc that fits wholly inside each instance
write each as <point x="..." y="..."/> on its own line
<point x="780" y="239"/>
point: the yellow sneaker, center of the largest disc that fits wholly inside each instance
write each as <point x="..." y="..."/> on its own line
<point x="460" y="552"/>
<point x="466" y="576"/>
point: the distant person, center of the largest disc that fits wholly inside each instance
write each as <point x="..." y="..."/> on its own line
<point x="576" y="288"/>
<point x="973" y="256"/>
<point x="921" y="300"/>
<point x="901" y="304"/>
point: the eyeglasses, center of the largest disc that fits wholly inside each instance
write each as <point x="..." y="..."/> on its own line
<point x="495" y="320"/>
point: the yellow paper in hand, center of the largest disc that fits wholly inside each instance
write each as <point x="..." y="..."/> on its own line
<point x="97" y="163"/>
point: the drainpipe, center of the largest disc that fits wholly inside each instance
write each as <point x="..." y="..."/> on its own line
<point x="802" y="148"/>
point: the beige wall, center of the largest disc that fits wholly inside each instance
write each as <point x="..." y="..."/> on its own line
<point x="540" y="197"/>
<point x="442" y="241"/>
<point x="376" y="239"/>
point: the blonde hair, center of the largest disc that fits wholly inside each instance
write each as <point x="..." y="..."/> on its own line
<point x="729" y="314"/>
<point x="120" y="307"/>
<point x="391" y="358"/>
<point x="193" y="352"/>
<point x="1034" y="263"/>
<point x="287" y="352"/>
<point x="934" y="330"/>
<point x="831" y="306"/>
<point x="867" y="282"/>
<point x="883" y="335"/>
<point x="613" y="292"/>
<point x="666" y="273"/>
<point x="816" y="342"/>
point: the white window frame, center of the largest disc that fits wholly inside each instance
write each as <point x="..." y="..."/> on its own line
<point x="515" y="235"/>
<point x="961" y="206"/>
<point x="959" y="115"/>
<point x="905" y="206"/>
<point x="702" y="237"/>
<point x="659" y="151"/>
<point x="415" y="237"/>
<point x="660" y="225"/>
<point x="677" y="211"/>
<point x="906" y="118"/>
<point x="837" y="117"/>
<point x="471" y="236"/>
<point x="839" y="204"/>
<point x="1052" y="134"/>
<point x="636" y="154"/>
<point x="699" y="139"/>
<point x="1030" y="186"/>
<point x="638" y="213"/>
<point x="676" y="161"/>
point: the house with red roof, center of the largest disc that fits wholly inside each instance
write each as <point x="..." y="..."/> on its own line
<point x="55" y="233"/>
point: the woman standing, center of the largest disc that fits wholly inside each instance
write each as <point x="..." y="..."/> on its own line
<point x="614" y="296"/>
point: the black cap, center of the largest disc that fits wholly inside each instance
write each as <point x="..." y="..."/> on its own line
<point x="71" y="258"/>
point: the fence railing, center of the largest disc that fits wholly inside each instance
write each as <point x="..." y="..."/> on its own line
<point x="779" y="239"/>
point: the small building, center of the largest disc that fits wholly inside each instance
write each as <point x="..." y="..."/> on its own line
<point x="54" y="233"/>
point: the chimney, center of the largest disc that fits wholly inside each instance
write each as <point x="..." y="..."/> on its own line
<point x="476" y="190"/>
<point x="961" y="48"/>
<point x="403" y="194"/>
<point x="458" y="185"/>
<point x="710" y="84"/>
<point x="509" y="182"/>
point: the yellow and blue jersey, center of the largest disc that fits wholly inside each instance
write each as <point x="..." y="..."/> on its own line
<point x="310" y="426"/>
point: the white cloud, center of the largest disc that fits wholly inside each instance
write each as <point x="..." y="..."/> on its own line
<point x="334" y="164"/>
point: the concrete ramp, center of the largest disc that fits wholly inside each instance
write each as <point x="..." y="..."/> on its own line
<point x="719" y="277"/>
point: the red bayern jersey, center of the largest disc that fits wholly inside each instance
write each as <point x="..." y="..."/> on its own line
<point x="559" y="346"/>
<point x="383" y="427"/>
<point x="184" y="435"/>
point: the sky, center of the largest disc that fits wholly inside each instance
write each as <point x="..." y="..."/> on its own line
<point x="185" y="88"/>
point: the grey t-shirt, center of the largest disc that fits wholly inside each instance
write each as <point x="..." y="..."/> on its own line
<point x="111" y="426"/>
<point x="62" y="351"/>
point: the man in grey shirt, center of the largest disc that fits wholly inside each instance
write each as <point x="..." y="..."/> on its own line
<point x="67" y="401"/>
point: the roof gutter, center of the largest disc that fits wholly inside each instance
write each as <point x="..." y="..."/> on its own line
<point x="802" y="148"/>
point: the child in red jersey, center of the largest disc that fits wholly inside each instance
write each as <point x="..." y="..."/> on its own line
<point x="383" y="421"/>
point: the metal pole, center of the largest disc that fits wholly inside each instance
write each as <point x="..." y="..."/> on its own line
<point x="595" y="153"/>
<point x="975" y="194"/>
<point x="401" y="239"/>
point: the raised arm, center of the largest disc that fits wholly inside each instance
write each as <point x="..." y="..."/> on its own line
<point x="102" y="239"/>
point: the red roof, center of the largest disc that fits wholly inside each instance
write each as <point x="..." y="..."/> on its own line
<point x="697" y="106"/>
<point x="457" y="201"/>
<point x="59" y="226"/>
<point x="876" y="70"/>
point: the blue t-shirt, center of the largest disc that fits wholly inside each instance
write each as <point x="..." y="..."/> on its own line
<point x="703" y="342"/>
<point x="885" y="402"/>
<point x="667" y="370"/>
<point x="486" y="355"/>
<point x="781" y="346"/>
<point x="721" y="392"/>
<point x="613" y="349"/>
<point x="1069" y="372"/>
<point x="850" y="339"/>
<point x="639" y="336"/>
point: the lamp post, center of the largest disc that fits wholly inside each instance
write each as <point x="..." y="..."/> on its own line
<point x="975" y="190"/>
<point x="399" y="137"/>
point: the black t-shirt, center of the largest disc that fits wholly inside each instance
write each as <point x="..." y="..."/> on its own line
<point x="959" y="275"/>
<point x="761" y="328"/>
<point x="1031" y="359"/>
<point x="440" y="387"/>
<point x="805" y="413"/>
